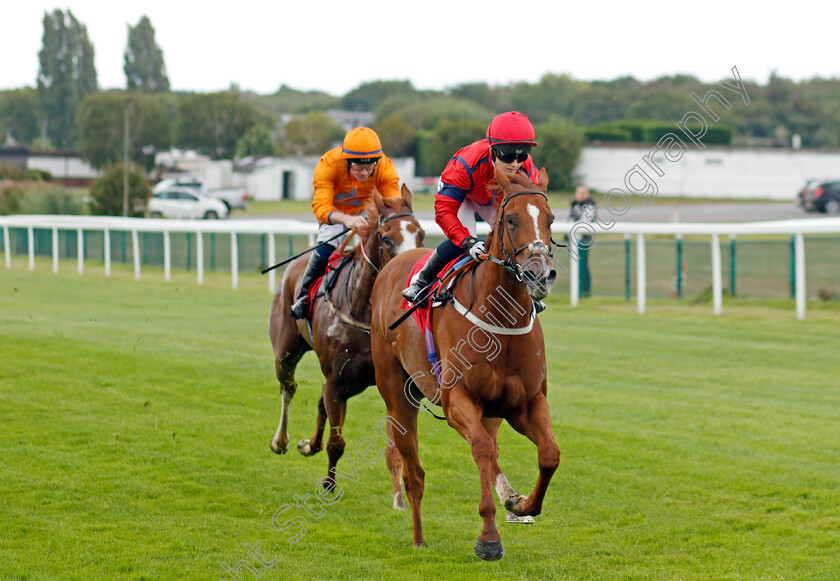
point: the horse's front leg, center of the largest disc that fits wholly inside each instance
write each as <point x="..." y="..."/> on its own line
<point x="535" y="424"/>
<point x="335" y="405"/>
<point x="312" y="445"/>
<point x="500" y="481"/>
<point x="465" y="417"/>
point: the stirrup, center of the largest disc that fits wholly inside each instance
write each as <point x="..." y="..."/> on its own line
<point x="300" y="309"/>
<point x="410" y="293"/>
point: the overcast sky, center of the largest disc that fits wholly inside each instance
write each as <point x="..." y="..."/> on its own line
<point x="334" y="46"/>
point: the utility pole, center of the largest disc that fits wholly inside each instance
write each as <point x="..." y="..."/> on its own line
<point x="125" y="159"/>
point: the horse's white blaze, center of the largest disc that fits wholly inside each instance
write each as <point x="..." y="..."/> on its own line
<point x="535" y="214"/>
<point x="409" y="239"/>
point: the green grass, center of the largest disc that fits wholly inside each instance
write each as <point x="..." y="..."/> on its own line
<point x="135" y="419"/>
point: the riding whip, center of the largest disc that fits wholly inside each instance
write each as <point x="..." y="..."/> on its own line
<point x="291" y="258"/>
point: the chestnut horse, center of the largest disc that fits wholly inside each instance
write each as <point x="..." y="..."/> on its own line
<point x="340" y="328"/>
<point x="491" y="357"/>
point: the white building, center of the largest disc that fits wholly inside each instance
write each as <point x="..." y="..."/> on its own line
<point x="719" y="172"/>
<point x="290" y="178"/>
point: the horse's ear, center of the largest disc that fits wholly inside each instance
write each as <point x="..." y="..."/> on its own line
<point x="501" y="178"/>
<point x="406" y="197"/>
<point x="543" y="180"/>
<point x="377" y="200"/>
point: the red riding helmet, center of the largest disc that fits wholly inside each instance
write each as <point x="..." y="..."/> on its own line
<point x="511" y="127"/>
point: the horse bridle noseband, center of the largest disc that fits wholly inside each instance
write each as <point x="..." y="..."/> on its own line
<point x="382" y="223"/>
<point x="508" y="263"/>
<point x="350" y="319"/>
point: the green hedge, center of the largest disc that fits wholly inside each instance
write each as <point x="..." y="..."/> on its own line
<point x="651" y="131"/>
<point x="597" y="134"/>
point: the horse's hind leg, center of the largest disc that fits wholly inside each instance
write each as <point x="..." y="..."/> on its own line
<point x="285" y="368"/>
<point x="535" y="424"/>
<point x="394" y="460"/>
<point x="500" y="481"/>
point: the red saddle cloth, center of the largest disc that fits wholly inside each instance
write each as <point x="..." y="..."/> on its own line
<point x="423" y="314"/>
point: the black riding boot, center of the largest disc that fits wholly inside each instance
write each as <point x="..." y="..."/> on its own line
<point x="314" y="270"/>
<point x="425" y="277"/>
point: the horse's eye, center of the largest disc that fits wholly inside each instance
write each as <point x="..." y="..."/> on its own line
<point x="509" y="220"/>
<point x="387" y="241"/>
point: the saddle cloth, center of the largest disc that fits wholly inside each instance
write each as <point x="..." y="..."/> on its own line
<point x="422" y="315"/>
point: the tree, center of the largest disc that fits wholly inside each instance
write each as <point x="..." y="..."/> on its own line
<point x="558" y="151"/>
<point x="449" y="137"/>
<point x="144" y="68"/>
<point x="67" y="74"/>
<point x="213" y="123"/>
<point x="101" y="124"/>
<point x="108" y="191"/>
<point x="257" y="141"/>
<point x="19" y="114"/>
<point x="288" y="100"/>
<point x="367" y="96"/>
<point x="492" y="99"/>
<point x="312" y="134"/>
<point x="399" y="139"/>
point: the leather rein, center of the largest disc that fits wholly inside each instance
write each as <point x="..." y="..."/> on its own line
<point x="349" y="319"/>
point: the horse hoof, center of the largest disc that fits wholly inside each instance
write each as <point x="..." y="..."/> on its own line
<point x="278" y="448"/>
<point x="305" y="448"/>
<point x="492" y="551"/>
<point x="516" y="503"/>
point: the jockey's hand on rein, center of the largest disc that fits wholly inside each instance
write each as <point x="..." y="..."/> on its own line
<point x="475" y="247"/>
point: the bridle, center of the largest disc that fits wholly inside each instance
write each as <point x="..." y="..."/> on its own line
<point x="536" y="247"/>
<point x="350" y="319"/>
<point x="381" y="223"/>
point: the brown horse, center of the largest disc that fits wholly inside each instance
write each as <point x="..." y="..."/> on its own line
<point x="340" y="328"/>
<point x="492" y="357"/>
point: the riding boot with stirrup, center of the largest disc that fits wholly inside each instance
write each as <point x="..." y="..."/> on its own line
<point x="425" y="277"/>
<point x="539" y="307"/>
<point x="314" y="270"/>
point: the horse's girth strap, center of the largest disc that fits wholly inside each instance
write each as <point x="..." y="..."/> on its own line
<point x="345" y="318"/>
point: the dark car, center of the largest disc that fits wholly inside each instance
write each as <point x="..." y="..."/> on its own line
<point x="821" y="195"/>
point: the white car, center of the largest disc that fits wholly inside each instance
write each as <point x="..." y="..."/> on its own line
<point x="184" y="202"/>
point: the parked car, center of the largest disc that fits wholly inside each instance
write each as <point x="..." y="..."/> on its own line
<point x="185" y="202"/>
<point x="821" y="195"/>
<point x="233" y="198"/>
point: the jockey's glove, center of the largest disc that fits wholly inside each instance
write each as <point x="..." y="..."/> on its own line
<point x="475" y="247"/>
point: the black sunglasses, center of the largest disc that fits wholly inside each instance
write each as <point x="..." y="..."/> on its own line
<point x="509" y="157"/>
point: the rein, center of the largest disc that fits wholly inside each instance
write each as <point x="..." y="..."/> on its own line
<point x="508" y="263"/>
<point x="349" y="319"/>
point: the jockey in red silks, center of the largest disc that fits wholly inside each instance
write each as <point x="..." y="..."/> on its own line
<point x="464" y="190"/>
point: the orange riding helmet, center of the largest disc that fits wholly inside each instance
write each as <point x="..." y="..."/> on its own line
<point x="362" y="145"/>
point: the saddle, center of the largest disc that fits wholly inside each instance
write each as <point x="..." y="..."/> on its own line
<point x="336" y="263"/>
